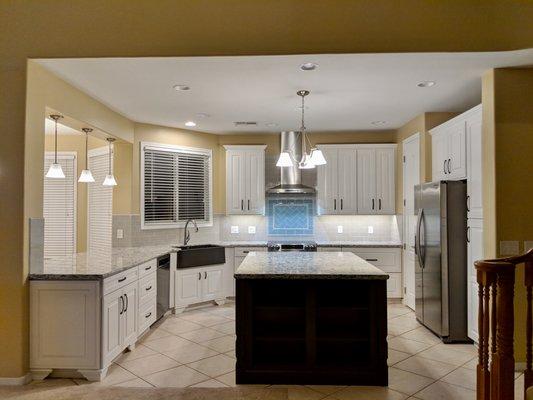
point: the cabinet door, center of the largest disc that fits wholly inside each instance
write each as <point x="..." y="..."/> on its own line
<point x="474" y="170"/>
<point x="212" y="279"/>
<point x="439" y="155"/>
<point x="235" y="181"/>
<point x="475" y="252"/>
<point x="112" y="310"/>
<point x="327" y="182"/>
<point x="188" y="286"/>
<point x="130" y="314"/>
<point x="347" y="181"/>
<point x="385" y="181"/>
<point x="366" y="181"/>
<point x="255" y="182"/>
<point x="456" y="167"/>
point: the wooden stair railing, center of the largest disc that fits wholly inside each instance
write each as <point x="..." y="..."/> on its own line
<point x="495" y="368"/>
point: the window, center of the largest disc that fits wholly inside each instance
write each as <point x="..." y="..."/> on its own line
<point x="175" y="186"/>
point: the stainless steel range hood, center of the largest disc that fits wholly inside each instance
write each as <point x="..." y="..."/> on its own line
<point x="291" y="177"/>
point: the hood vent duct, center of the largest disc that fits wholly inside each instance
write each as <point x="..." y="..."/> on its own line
<point x="291" y="178"/>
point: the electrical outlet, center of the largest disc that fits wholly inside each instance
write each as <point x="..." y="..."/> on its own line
<point x="340" y="228"/>
<point x="251" y="229"/>
<point x="370" y="229"/>
<point x="120" y="233"/>
<point x="234" y="229"/>
<point x="509" y="247"/>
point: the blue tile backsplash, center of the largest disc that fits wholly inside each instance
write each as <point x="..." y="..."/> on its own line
<point x="290" y="216"/>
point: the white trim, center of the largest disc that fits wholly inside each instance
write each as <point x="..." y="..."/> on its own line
<point x="245" y="146"/>
<point x="358" y="145"/>
<point x="177" y="149"/>
<point x="411" y="138"/>
<point x="19" y="381"/>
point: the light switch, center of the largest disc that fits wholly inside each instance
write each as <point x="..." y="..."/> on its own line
<point x="251" y="229"/>
<point x="120" y="233"/>
<point x="509" y="247"/>
<point x="528" y="244"/>
<point x="370" y="229"/>
<point x="234" y="229"/>
<point x="340" y="228"/>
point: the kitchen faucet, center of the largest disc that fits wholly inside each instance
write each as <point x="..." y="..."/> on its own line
<point x="186" y="234"/>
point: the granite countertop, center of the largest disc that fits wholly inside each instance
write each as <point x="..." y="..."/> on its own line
<point x="82" y="266"/>
<point x="307" y="265"/>
<point x="354" y="243"/>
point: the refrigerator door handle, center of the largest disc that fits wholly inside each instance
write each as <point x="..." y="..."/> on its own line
<point x="417" y="237"/>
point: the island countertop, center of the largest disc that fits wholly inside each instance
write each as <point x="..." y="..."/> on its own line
<point x="307" y="265"/>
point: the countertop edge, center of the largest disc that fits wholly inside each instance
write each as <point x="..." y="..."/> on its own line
<point x="313" y="276"/>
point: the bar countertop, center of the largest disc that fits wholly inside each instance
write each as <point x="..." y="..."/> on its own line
<point x="307" y="265"/>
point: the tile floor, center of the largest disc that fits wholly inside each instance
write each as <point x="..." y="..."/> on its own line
<point x="197" y="349"/>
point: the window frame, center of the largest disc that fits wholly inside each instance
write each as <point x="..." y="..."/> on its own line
<point x="174" y="149"/>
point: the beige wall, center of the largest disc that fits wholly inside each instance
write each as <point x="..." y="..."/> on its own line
<point x="43" y="29"/>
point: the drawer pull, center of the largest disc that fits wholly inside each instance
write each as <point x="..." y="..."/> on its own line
<point x="148" y="268"/>
<point x="148" y="315"/>
<point x="122" y="279"/>
<point x="245" y="251"/>
<point x="148" y="288"/>
<point x="371" y="259"/>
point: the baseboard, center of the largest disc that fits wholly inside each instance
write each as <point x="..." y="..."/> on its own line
<point x="21" y="380"/>
<point x="519" y="366"/>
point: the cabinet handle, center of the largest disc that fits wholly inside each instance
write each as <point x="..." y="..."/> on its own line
<point x="444" y="167"/>
<point x="449" y="168"/>
<point x="341" y="204"/>
<point x="468" y="234"/>
<point x="379" y="202"/>
<point x="121" y="305"/>
<point x="199" y="275"/>
<point x="148" y="268"/>
<point x="122" y="279"/>
<point x="371" y="259"/>
<point x="246" y="251"/>
<point x="242" y="205"/>
<point x="148" y="315"/>
<point x="372" y="204"/>
<point x="248" y="204"/>
<point x="148" y="288"/>
<point x="205" y="275"/>
<point x="467" y="203"/>
<point x="127" y="302"/>
<point x="334" y="204"/>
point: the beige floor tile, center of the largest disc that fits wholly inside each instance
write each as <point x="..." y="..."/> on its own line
<point x="393" y="312"/>
<point x="367" y="393"/>
<point x="135" y="383"/>
<point x="150" y="364"/>
<point x="222" y="344"/>
<point x="406" y="345"/>
<point x="178" y="326"/>
<point x="225" y="311"/>
<point x="446" y="354"/>
<point x="472" y="364"/>
<point x="166" y="343"/>
<point x="214" y="366"/>
<point x="326" y="389"/>
<point x="153" y="334"/>
<point x="202" y="335"/>
<point x="189" y="352"/>
<point x="407" y="382"/>
<point x="396" y="356"/>
<point x="227" y="379"/>
<point x="425" y="367"/>
<point x="139" y="351"/>
<point x="462" y="377"/>
<point x="204" y="318"/>
<point x="396" y="330"/>
<point x="181" y="376"/>
<point x="115" y="374"/>
<point x="445" y="391"/>
<point x="405" y="321"/>
<point x="211" y="383"/>
<point x="519" y="388"/>
<point x="421" y="334"/>
<point x="231" y="353"/>
<point x="227" y="327"/>
<point x="465" y="348"/>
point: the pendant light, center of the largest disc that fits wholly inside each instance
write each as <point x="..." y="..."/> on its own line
<point x="109" y="178"/>
<point x="55" y="171"/>
<point x="86" y="176"/>
<point x="305" y="162"/>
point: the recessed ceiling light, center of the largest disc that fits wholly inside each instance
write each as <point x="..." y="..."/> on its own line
<point x="181" y="88"/>
<point x="308" y="66"/>
<point x="426" y="84"/>
<point x="190" y="123"/>
<point x="378" y="122"/>
<point x="271" y="124"/>
<point x="202" y="115"/>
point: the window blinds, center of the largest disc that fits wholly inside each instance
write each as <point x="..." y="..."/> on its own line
<point x="59" y="209"/>
<point x="176" y="187"/>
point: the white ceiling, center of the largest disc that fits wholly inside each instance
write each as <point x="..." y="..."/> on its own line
<point x="348" y="92"/>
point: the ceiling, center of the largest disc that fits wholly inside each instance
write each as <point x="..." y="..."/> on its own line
<point x="348" y="92"/>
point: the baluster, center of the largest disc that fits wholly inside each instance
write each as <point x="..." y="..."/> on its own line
<point x="493" y="329"/>
<point x="528" y="281"/>
<point x="483" y="375"/>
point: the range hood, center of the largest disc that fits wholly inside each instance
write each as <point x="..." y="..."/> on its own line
<point x="291" y="177"/>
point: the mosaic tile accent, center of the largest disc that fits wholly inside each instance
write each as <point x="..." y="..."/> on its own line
<point x="290" y="216"/>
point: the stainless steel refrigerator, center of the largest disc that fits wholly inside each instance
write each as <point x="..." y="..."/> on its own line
<point x="441" y="259"/>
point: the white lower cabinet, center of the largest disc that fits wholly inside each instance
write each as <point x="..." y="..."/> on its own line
<point x="195" y="285"/>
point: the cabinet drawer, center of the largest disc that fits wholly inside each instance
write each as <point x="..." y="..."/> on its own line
<point x="243" y="251"/>
<point x="394" y="285"/>
<point x="147" y="267"/>
<point x="388" y="260"/>
<point x="119" y="280"/>
<point x="147" y="314"/>
<point x="147" y="287"/>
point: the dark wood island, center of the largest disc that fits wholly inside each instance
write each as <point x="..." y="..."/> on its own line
<point x="310" y="318"/>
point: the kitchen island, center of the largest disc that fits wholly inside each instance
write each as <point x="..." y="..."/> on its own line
<point x="310" y="318"/>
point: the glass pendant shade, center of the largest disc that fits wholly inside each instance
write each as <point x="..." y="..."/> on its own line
<point x="86" y="176"/>
<point x="306" y="162"/>
<point x="317" y="158"/>
<point x="284" y="160"/>
<point x="109" y="180"/>
<point x="55" y="171"/>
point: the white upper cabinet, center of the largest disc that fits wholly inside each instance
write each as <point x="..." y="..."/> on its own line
<point x="448" y="142"/>
<point x="245" y="179"/>
<point x="474" y="166"/>
<point x="336" y="180"/>
<point x="376" y="179"/>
